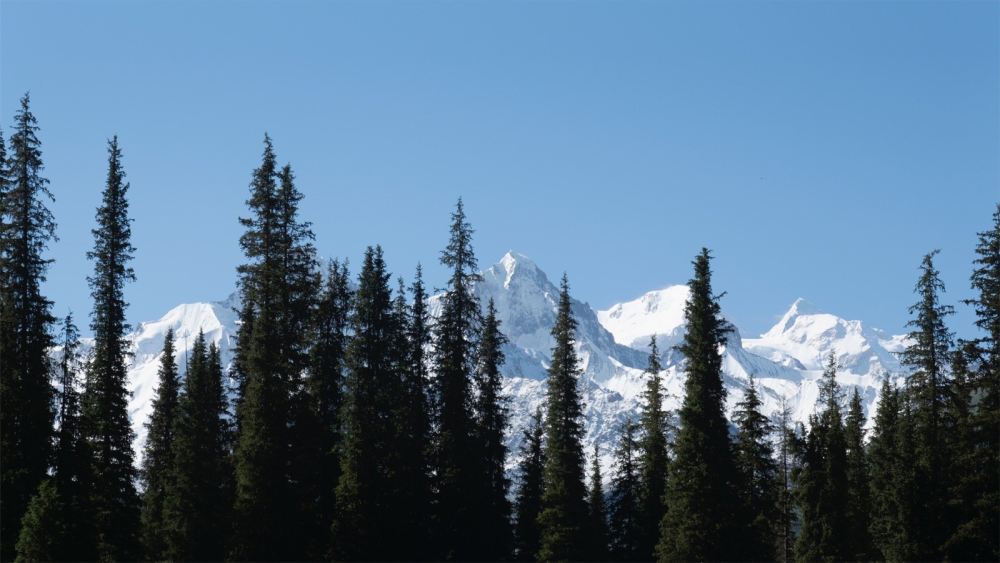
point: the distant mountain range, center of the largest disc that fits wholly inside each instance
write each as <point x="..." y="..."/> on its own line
<point x="613" y="346"/>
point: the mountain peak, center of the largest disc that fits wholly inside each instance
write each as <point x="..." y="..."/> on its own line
<point x="511" y="263"/>
<point x="803" y="307"/>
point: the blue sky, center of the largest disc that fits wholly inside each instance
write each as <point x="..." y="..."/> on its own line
<point x="819" y="148"/>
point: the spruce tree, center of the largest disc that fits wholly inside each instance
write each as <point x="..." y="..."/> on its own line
<point x="624" y="509"/>
<point x="531" y="486"/>
<point x="929" y="356"/>
<point x="598" y="512"/>
<point x="26" y="395"/>
<point x="563" y="520"/>
<point x="43" y="530"/>
<point x="787" y="520"/>
<point x="653" y="458"/>
<point x="195" y="507"/>
<point x="455" y="452"/>
<point x="108" y="430"/>
<point x="859" y="543"/>
<point x="822" y="480"/>
<point x="701" y="498"/>
<point x="157" y="459"/>
<point x="325" y="386"/>
<point x="891" y="469"/>
<point x="363" y="526"/>
<point x="492" y="418"/>
<point x="758" y="476"/>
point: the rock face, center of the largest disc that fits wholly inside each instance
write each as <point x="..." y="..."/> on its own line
<point x="613" y="346"/>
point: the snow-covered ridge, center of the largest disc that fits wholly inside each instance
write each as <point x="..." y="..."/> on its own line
<point x="613" y="346"/>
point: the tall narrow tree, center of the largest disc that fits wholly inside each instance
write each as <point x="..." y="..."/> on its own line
<point x="929" y="354"/>
<point x="157" y="460"/>
<point x="26" y="395"/>
<point x="108" y="430"/>
<point x="531" y="486"/>
<point x="758" y="477"/>
<point x="891" y="481"/>
<point x="701" y="498"/>
<point x="564" y="508"/>
<point x="454" y="452"/>
<point x="626" y="485"/>
<point x="859" y="544"/>
<point x="653" y="458"/>
<point x="787" y="520"/>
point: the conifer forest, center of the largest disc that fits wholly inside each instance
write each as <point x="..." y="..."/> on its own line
<point x="356" y="424"/>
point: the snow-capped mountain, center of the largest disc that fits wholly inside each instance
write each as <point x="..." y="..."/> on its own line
<point x="613" y="346"/>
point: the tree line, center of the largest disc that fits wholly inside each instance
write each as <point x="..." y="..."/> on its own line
<point x="351" y="425"/>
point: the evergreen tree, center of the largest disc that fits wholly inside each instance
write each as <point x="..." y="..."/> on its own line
<point x="492" y="416"/>
<point x="976" y="536"/>
<point x="859" y="543"/>
<point x="325" y="385"/>
<point x="194" y="509"/>
<point x="822" y="479"/>
<point x="787" y="520"/>
<point x="531" y="486"/>
<point x="363" y="526"/>
<point x="653" y="458"/>
<point x="598" y="526"/>
<point x="891" y="470"/>
<point x="108" y="430"/>
<point x="43" y="530"/>
<point x="625" y="514"/>
<point x="454" y="451"/>
<point x="701" y="498"/>
<point x="929" y="356"/>
<point x="26" y="394"/>
<point x="157" y="459"/>
<point x="758" y="477"/>
<point x="564" y="509"/>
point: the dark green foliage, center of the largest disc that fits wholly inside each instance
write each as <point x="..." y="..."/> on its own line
<point x="701" y="498"/>
<point x="822" y="478"/>
<point x="891" y="467"/>
<point x="564" y="508"/>
<point x="929" y="355"/>
<point x="278" y="284"/>
<point x="158" y="458"/>
<point x="597" y="532"/>
<point x="195" y="509"/>
<point x="43" y="529"/>
<point x="758" y="477"/>
<point x="624" y="511"/>
<point x="653" y="458"/>
<point x="105" y="405"/>
<point x="26" y="394"/>
<point x="325" y="383"/>
<point x="859" y="542"/>
<point x="492" y="416"/>
<point x="531" y="486"/>
<point x="787" y="519"/>
<point x="454" y="454"/>
<point x="365" y="500"/>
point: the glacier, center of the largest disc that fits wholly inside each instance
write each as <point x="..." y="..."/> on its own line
<point x="613" y="345"/>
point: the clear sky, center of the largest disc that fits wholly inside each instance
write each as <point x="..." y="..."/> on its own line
<point x="819" y="148"/>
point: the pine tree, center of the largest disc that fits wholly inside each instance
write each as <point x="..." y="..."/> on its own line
<point x="363" y="525"/>
<point x="531" y="486"/>
<point x="454" y="451"/>
<point x="891" y="469"/>
<point x="108" y="430"/>
<point x="325" y="386"/>
<point x="624" y="511"/>
<point x="492" y="418"/>
<point x="72" y="469"/>
<point x="859" y="500"/>
<point x="564" y="509"/>
<point x="194" y="509"/>
<point x="157" y="459"/>
<point x="787" y="520"/>
<point x="822" y="480"/>
<point x="598" y="512"/>
<point x="43" y="529"/>
<point x="653" y="458"/>
<point x="701" y="499"/>
<point x="929" y="356"/>
<point x="758" y="477"/>
<point x="26" y="394"/>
